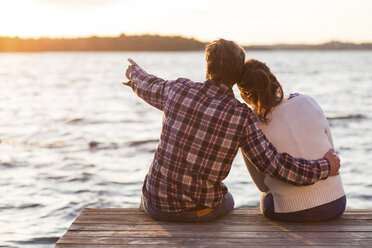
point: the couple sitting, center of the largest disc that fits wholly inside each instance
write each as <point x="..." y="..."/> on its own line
<point x="285" y="142"/>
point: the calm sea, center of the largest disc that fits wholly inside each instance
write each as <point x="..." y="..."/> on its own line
<point x="74" y="137"/>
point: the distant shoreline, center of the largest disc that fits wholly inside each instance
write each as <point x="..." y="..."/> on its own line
<point x="332" y="45"/>
<point x="144" y="43"/>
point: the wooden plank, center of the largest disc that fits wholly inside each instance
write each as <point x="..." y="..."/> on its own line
<point x="230" y="228"/>
<point x="224" y="222"/>
<point x="117" y="227"/>
<point x="190" y="246"/>
<point x="252" y="211"/>
<point x="235" y="211"/>
<point x="185" y="245"/>
<point x="144" y="217"/>
<point x="221" y="234"/>
<point x="117" y="213"/>
<point x="228" y="242"/>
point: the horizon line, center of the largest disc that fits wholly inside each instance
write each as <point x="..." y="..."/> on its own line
<point x="186" y="37"/>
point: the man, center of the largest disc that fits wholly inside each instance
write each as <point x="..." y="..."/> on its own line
<point x="203" y="128"/>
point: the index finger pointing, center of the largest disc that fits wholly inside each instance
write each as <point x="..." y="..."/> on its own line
<point x="132" y="62"/>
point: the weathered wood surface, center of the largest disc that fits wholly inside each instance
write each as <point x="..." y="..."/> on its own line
<point x="120" y="227"/>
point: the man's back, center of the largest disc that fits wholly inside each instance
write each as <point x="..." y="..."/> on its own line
<point x="200" y="137"/>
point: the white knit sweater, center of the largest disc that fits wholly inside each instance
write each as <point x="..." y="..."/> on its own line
<point x="298" y="127"/>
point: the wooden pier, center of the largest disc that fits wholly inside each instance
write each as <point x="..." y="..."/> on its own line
<point x="120" y="227"/>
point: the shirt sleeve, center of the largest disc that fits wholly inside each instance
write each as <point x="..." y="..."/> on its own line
<point x="264" y="156"/>
<point x="150" y="88"/>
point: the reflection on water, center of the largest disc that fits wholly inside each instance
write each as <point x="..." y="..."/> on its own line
<point x="72" y="136"/>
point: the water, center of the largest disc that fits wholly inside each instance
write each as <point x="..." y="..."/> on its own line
<point x="74" y="137"/>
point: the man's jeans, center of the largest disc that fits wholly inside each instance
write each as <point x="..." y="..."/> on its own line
<point x="203" y="215"/>
<point x="324" y="212"/>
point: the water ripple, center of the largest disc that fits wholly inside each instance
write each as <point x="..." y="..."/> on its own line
<point x="69" y="144"/>
<point x="348" y="117"/>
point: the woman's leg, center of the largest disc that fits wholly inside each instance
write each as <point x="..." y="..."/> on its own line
<point x="267" y="206"/>
<point x="324" y="212"/>
<point x="328" y="211"/>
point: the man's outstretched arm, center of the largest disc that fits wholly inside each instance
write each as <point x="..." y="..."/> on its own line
<point x="150" y="88"/>
<point x="264" y="156"/>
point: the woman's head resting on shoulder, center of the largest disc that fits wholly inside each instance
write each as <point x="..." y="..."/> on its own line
<point x="260" y="88"/>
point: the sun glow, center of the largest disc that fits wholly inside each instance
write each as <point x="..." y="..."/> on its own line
<point x="249" y="22"/>
<point x="32" y="19"/>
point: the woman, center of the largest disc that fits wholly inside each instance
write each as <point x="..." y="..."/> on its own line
<point x="296" y="125"/>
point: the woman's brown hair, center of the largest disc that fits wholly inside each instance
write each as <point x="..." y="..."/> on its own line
<point x="261" y="86"/>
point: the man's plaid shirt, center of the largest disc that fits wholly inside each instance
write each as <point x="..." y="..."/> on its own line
<point x="203" y="128"/>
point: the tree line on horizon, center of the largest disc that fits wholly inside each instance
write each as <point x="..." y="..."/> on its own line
<point x="146" y="43"/>
<point x="331" y="45"/>
<point x="94" y="43"/>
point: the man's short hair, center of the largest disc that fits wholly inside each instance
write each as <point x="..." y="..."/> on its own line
<point x="225" y="60"/>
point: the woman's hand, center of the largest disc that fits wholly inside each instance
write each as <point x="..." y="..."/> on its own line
<point x="334" y="162"/>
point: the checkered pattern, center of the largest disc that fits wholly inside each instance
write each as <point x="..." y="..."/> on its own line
<point x="203" y="128"/>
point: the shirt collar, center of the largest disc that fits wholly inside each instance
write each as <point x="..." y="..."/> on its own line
<point x="222" y="89"/>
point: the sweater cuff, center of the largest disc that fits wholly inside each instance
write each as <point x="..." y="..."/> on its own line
<point x="324" y="168"/>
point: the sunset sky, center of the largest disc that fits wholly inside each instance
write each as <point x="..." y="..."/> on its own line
<point x="246" y="21"/>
